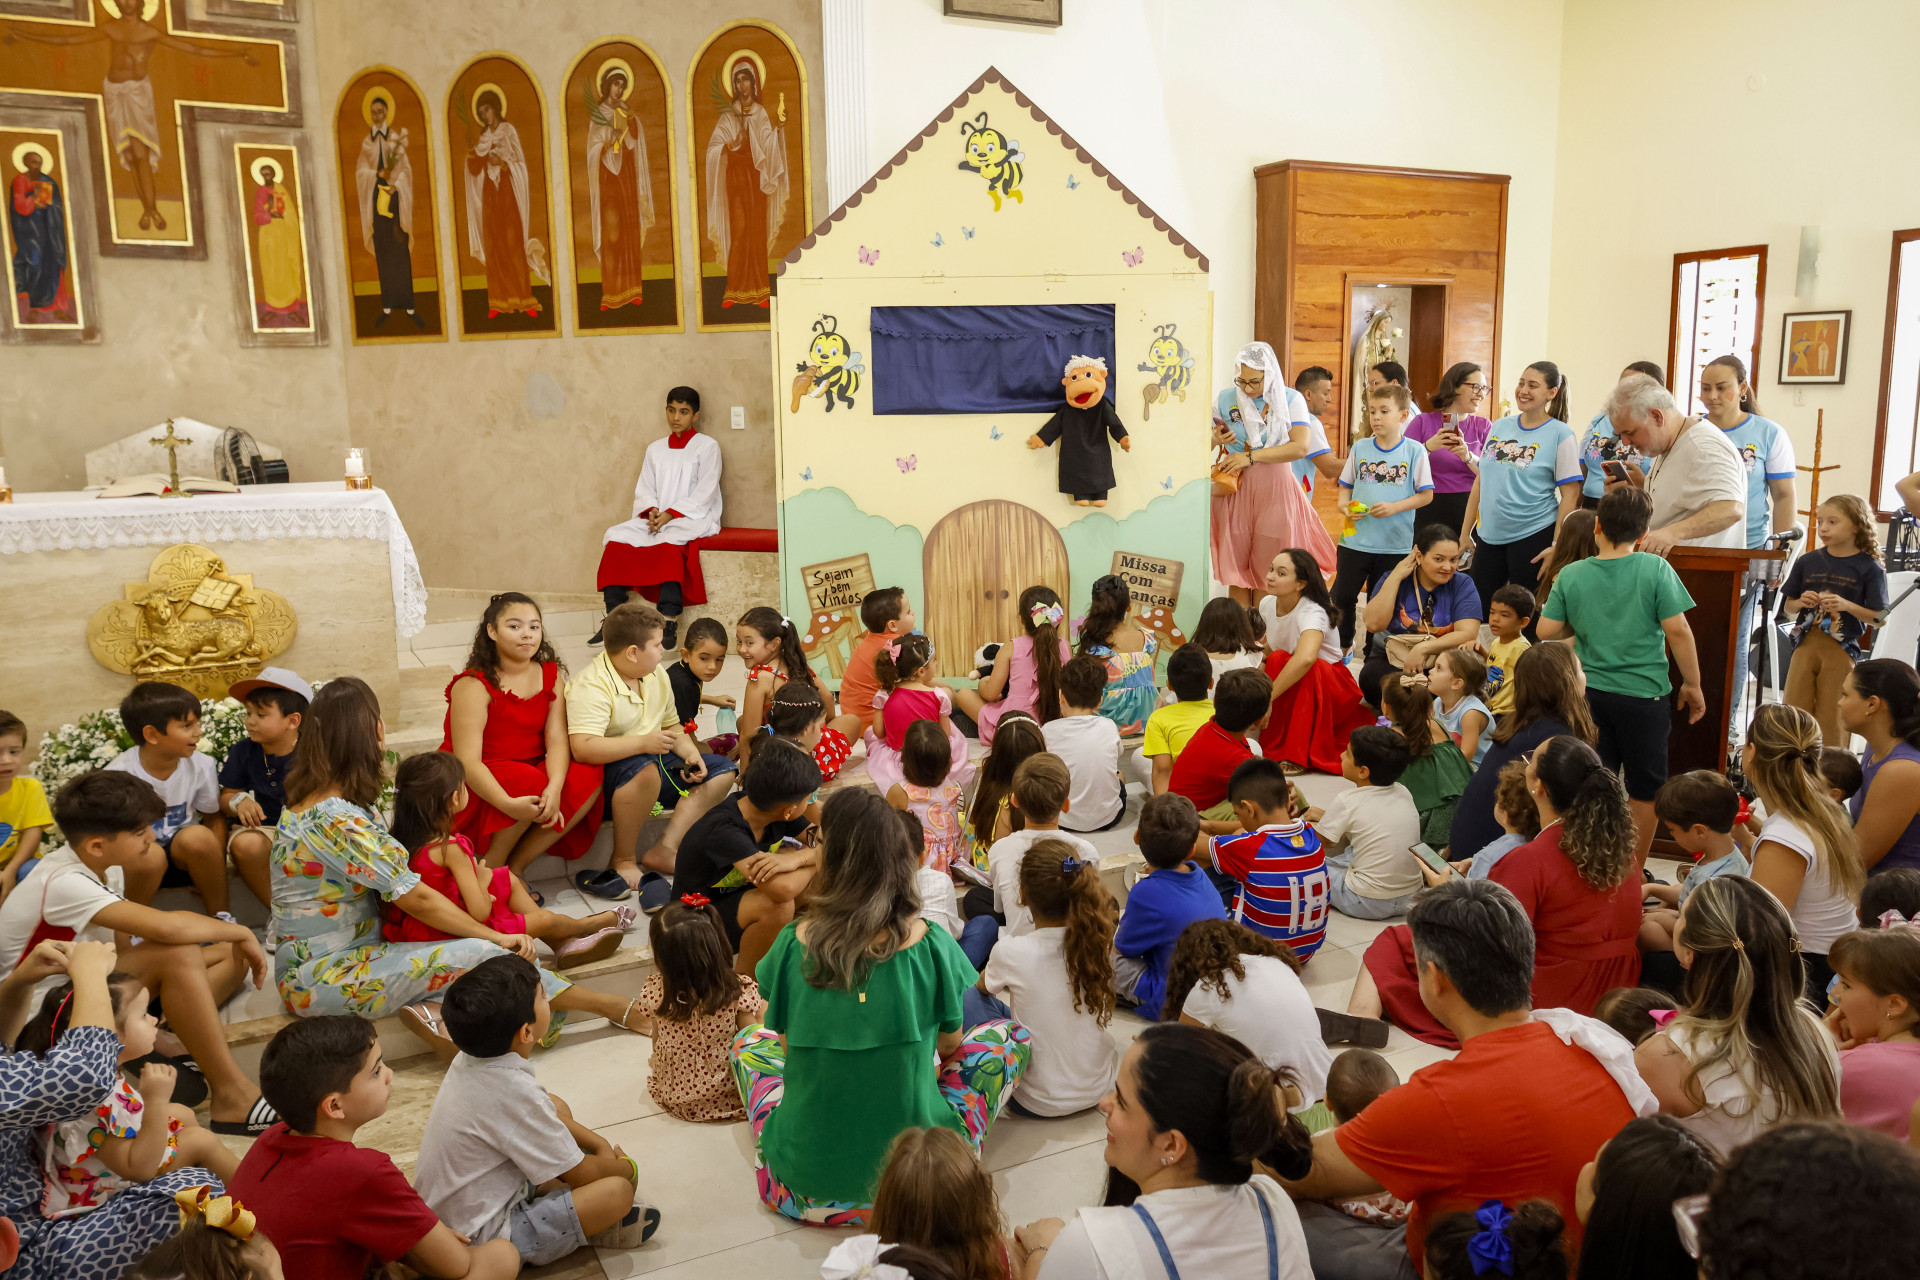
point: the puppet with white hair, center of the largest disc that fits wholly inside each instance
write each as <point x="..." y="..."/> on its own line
<point x="1082" y="428"/>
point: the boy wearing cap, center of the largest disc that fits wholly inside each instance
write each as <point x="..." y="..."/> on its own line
<point x="253" y="780"/>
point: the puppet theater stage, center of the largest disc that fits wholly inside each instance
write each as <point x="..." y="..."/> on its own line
<point x="919" y="337"/>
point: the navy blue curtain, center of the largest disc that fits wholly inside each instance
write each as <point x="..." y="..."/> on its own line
<point x="982" y="359"/>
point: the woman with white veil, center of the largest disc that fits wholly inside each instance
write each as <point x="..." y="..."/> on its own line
<point x="1261" y="424"/>
<point x="499" y="210"/>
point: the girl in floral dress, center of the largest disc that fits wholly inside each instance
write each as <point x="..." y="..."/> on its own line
<point x="928" y="791"/>
<point x="1109" y="633"/>
<point x="333" y="864"/>
<point x="132" y="1136"/>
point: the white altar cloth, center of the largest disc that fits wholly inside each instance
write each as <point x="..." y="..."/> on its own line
<point x="66" y="521"/>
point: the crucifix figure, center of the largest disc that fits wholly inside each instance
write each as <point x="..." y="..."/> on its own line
<point x="140" y="66"/>
<point x="173" y="444"/>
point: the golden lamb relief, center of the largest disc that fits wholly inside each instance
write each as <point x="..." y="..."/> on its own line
<point x="192" y="623"/>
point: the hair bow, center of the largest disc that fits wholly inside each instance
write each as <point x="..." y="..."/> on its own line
<point x="1071" y="865"/>
<point x="1489" y="1249"/>
<point x="1047" y="615"/>
<point x="1661" y="1017"/>
<point x="222" y="1213"/>
<point x="1894" y="920"/>
<point x="893" y="650"/>
<point x="859" y="1259"/>
<point x="695" y="900"/>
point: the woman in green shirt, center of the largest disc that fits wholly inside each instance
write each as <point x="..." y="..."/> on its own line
<point x="863" y="1032"/>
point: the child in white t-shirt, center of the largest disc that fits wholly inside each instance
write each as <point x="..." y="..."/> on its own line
<point x="1089" y="744"/>
<point x="1226" y="976"/>
<point x="1040" y="790"/>
<point x="1376" y="875"/>
<point x="164" y="722"/>
<point x="1057" y="981"/>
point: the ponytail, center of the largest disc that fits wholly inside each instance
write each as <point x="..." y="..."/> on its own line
<point x="1017" y="737"/>
<point x="1896" y="684"/>
<point x="1547" y="369"/>
<point x="1458" y="1244"/>
<point x="793" y="709"/>
<point x="771" y="624"/>
<point x="1786" y="772"/>
<point x="1105" y="612"/>
<point x="1409" y="704"/>
<point x="1043" y="617"/>
<point x="900" y="660"/>
<point x="1227" y="1103"/>
<point x="1596" y="822"/>
<point x="1058" y="884"/>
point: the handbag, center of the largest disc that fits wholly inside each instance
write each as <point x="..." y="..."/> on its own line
<point x="1224" y="480"/>
<point x="1400" y="651"/>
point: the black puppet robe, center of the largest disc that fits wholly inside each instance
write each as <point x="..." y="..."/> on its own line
<point x="1086" y="459"/>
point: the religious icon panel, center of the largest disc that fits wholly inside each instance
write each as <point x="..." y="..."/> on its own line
<point x="497" y="145"/>
<point x="753" y="191"/>
<point x="620" y="197"/>
<point x="39" y="242"/>
<point x="273" y="214"/>
<point x="384" y="153"/>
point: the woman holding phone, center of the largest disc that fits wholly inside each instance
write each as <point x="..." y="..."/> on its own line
<point x="1454" y="433"/>
<point x="1603" y="453"/>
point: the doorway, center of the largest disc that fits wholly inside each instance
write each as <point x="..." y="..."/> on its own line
<point x="977" y="561"/>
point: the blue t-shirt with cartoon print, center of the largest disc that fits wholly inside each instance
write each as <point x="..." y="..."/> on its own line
<point x="1373" y="474"/>
<point x="1767" y="454"/>
<point x="1521" y="471"/>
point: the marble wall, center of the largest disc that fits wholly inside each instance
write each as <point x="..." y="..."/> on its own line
<point x="506" y="459"/>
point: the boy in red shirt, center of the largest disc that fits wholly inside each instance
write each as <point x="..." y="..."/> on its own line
<point x="1241" y="702"/>
<point x="887" y="616"/>
<point x="1527" y="1103"/>
<point x="329" y="1207"/>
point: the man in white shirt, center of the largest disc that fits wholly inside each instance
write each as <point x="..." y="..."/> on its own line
<point x="1698" y="483"/>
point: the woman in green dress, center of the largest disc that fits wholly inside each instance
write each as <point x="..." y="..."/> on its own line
<point x="863" y="1034"/>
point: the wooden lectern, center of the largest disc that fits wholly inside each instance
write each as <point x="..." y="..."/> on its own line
<point x="1714" y="577"/>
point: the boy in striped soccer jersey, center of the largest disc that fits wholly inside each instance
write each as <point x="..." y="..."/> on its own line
<point x="1277" y="864"/>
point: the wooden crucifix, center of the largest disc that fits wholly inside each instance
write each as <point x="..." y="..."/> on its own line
<point x="1813" y="486"/>
<point x="143" y="85"/>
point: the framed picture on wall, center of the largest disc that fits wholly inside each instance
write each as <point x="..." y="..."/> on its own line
<point x="1038" y="13"/>
<point x="1813" y="347"/>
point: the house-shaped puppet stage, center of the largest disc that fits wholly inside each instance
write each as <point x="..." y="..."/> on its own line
<point x="919" y="339"/>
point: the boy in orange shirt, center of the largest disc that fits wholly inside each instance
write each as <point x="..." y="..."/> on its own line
<point x="887" y="616"/>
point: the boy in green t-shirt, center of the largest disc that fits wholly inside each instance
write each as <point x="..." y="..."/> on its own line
<point x="1189" y="675"/>
<point x="1623" y="609"/>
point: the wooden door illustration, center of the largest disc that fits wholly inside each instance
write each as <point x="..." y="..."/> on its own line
<point x="977" y="561"/>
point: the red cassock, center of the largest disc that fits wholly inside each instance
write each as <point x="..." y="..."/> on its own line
<point x="1583" y="939"/>
<point x="513" y="746"/>
<point x="1312" y="721"/>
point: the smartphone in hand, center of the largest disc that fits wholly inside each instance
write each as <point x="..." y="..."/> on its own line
<point x="1439" y="864"/>
<point x="1616" y="470"/>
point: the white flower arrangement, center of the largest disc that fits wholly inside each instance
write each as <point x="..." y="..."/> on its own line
<point x="74" y="749"/>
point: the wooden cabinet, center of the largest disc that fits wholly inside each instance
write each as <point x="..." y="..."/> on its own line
<point x="1323" y="230"/>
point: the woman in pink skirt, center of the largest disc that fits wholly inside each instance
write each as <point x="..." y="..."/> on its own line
<point x="1262" y="425"/>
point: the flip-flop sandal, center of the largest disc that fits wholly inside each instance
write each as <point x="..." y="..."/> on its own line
<point x="607" y="884"/>
<point x="539" y="899"/>
<point x="189" y="1089"/>
<point x="260" y="1118"/>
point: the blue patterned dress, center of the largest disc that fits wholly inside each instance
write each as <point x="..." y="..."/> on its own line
<point x="1130" y="694"/>
<point x="68" y="1084"/>
<point x="332" y="865"/>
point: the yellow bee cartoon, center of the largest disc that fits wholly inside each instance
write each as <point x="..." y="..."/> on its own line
<point x="1167" y="357"/>
<point x="832" y="367"/>
<point x="993" y="156"/>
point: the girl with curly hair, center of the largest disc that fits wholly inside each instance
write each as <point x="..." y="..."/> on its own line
<point x="1226" y="976"/>
<point x="1578" y="882"/>
<point x="1057" y="981"/>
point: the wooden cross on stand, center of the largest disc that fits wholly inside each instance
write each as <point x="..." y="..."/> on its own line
<point x="173" y="444"/>
<point x="143" y="87"/>
<point x="1813" y="487"/>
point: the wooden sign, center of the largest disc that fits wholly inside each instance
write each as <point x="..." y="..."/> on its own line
<point x="1155" y="583"/>
<point x="837" y="584"/>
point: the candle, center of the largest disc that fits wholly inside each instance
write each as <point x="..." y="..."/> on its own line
<point x="355" y="467"/>
<point x="3" y="476"/>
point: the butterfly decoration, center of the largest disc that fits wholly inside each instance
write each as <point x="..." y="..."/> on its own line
<point x="868" y="256"/>
<point x="1072" y="181"/>
<point x="1135" y="258"/>
<point x="994" y="433"/>
<point x="807" y="474"/>
<point x="967" y="232"/>
<point x="937" y="240"/>
<point x="909" y="463"/>
<point x="1164" y="484"/>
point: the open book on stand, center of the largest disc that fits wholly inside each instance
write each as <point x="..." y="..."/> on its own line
<point x="155" y="485"/>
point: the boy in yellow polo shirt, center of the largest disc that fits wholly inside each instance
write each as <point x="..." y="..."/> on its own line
<point x="24" y="815"/>
<point x="620" y="714"/>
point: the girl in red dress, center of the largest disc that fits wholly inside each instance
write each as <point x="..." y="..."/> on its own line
<point x="770" y="645"/>
<point x="1316" y="701"/>
<point x="430" y="792"/>
<point x="1578" y="881"/>
<point x="507" y="724"/>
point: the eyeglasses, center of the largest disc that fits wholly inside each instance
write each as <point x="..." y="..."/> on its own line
<point x="1687" y="1213"/>
<point x="1249" y="384"/>
<point x="1473" y="388"/>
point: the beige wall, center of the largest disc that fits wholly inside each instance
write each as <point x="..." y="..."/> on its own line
<point x="492" y="495"/>
<point x="1718" y="123"/>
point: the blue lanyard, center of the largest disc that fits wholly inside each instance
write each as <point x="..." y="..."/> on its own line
<point x="1166" y="1255"/>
